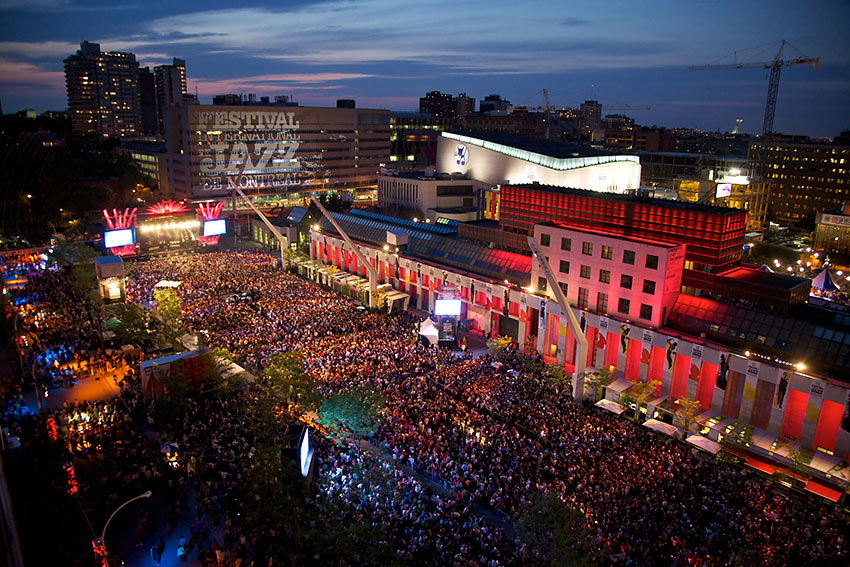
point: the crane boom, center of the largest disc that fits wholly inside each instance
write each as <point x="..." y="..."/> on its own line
<point x="775" y="67"/>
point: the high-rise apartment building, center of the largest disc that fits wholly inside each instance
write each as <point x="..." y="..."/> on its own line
<point x="147" y="90"/>
<point x="590" y="113"/>
<point x="439" y="105"/>
<point x="103" y="92"/>
<point x="170" y="87"/>
<point x="465" y="105"/>
<point x="805" y="177"/>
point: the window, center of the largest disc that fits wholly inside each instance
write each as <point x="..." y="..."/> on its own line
<point x="587" y="248"/>
<point x="651" y="262"/>
<point x="564" y="267"/>
<point x="582" y="297"/>
<point x="623" y="306"/>
<point x="646" y="312"/>
<point x="585" y="272"/>
<point x="649" y="287"/>
<point x="601" y="302"/>
<point x="605" y="276"/>
<point x="566" y="244"/>
<point x="626" y="281"/>
<point x="541" y="283"/>
<point x="628" y="256"/>
<point x="563" y="287"/>
<point x="544" y="240"/>
<point x="607" y="252"/>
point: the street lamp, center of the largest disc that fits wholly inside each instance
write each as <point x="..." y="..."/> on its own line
<point x="103" y="533"/>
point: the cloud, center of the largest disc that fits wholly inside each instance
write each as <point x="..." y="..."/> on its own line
<point x="15" y="72"/>
<point x="33" y="5"/>
<point x="38" y="49"/>
<point x="303" y="82"/>
<point x="572" y="22"/>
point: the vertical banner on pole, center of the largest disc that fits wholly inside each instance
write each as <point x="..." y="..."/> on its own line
<point x="694" y="372"/>
<point x="645" y="354"/>
<point x="623" y="348"/>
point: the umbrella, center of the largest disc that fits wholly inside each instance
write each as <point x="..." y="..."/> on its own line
<point x="824" y="282"/>
<point x="169" y="448"/>
<point x="611" y="406"/>
<point x="661" y="427"/>
<point x="112" y="322"/>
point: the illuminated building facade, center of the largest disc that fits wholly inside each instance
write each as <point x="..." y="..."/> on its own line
<point x="638" y="279"/>
<point x="274" y="151"/>
<point x="743" y="366"/>
<point x="805" y="178"/>
<point x="496" y="158"/>
<point x="170" y="84"/>
<point x="832" y="230"/>
<point x="715" y="180"/>
<point x="149" y="157"/>
<point x="413" y="138"/>
<point x="104" y="97"/>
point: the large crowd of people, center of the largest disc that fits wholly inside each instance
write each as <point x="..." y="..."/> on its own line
<point x="495" y="432"/>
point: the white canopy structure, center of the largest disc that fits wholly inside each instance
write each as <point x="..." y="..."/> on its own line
<point x="704" y="443"/>
<point x="428" y="330"/>
<point x="611" y="406"/>
<point x="662" y="427"/>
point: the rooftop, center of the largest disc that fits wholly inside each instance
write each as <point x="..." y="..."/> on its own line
<point x="549" y="148"/>
<point x="629" y="198"/>
<point x="754" y="276"/>
<point x="566" y="225"/>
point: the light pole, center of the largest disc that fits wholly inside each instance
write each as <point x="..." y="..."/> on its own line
<point x="103" y="533"/>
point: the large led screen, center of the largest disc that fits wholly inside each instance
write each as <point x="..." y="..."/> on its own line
<point x="115" y="238"/>
<point x="447" y="307"/>
<point x="214" y="227"/>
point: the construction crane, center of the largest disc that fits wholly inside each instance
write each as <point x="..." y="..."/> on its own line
<point x="775" y="67"/>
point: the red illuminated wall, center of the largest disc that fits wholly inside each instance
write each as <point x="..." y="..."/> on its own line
<point x="656" y="365"/>
<point x="611" y="349"/>
<point x="681" y="369"/>
<point x="633" y="360"/>
<point x="795" y="413"/>
<point x="713" y="236"/>
<point x="707" y="380"/>
<point x="828" y="424"/>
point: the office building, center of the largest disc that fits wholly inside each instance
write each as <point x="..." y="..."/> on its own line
<point x="465" y="105"/>
<point x="147" y="92"/>
<point x="104" y="97"/>
<point x="272" y="152"/>
<point x="413" y="139"/>
<point x="832" y="231"/>
<point x="494" y="104"/>
<point x="434" y="195"/>
<point x="590" y="117"/>
<point x="151" y="160"/>
<point x="716" y="180"/>
<point x="804" y="178"/>
<point x="439" y="105"/>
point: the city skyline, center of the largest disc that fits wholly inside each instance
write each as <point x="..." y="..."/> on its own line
<point x="387" y="56"/>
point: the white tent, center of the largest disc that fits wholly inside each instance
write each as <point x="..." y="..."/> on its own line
<point x="611" y="406"/>
<point x="824" y="282"/>
<point x="662" y="427"/>
<point x="429" y="331"/>
<point x="704" y="443"/>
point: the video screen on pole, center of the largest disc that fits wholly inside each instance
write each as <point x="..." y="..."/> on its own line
<point x="447" y="307"/>
<point x="723" y="190"/>
<point x="122" y="237"/>
<point x="214" y="227"/>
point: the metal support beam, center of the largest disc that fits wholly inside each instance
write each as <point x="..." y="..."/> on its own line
<point x="370" y="270"/>
<point x="581" y="339"/>
<point x="282" y="239"/>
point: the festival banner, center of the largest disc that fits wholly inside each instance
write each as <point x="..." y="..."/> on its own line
<point x="645" y="354"/>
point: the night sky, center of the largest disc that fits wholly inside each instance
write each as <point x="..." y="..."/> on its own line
<point x="388" y="53"/>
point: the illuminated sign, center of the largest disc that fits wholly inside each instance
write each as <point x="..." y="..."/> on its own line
<point x="836" y="220"/>
<point x="255" y="150"/>
<point x="115" y="238"/>
<point x="214" y="227"/>
<point x="447" y="307"/>
<point x="723" y="190"/>
<point x="461" y="155"/>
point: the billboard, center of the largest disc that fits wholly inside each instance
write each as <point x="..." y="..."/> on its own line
<point x="122" y="237"/>
<point x="257" y="149"/>
<point x="214" y="227"/>
<point x="723" y="190"/>
<point x="447" y="307"/>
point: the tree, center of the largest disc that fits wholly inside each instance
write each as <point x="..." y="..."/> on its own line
<point x="134" y="323"/>
<point x="687" y="413"/>
<point x="68" y="253"/>
<point x="596" y="380"/>
<point x="354" y="412"/>
<point x="554" y="530"/>
<point x="288" y="381"/>
<point x="497" y="345"/>
<point x="642" y="393"/>
<point x="167" y="309"/>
